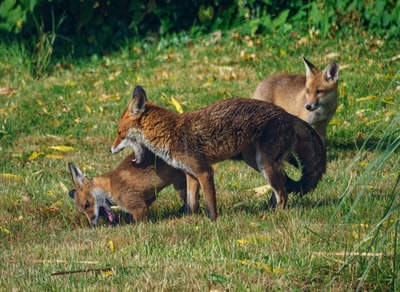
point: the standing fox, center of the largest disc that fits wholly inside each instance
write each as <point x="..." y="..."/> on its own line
<point x="260" y="133"/>
<point x="313" y="97"/>
<point x="131" y="186"/>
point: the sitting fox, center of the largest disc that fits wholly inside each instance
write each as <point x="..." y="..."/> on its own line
<point x="133" y="187"/>
<point x="260" y="133"/>
<point x="312" y="97"/>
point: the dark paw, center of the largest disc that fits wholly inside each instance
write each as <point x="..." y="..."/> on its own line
<point x="128" y="218"/>
<point x="272" y="201"/>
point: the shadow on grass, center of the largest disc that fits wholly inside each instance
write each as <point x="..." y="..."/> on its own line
<point x="372" y="143"/>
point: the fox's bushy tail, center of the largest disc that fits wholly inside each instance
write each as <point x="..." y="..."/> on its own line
<point x="311" y="153"/>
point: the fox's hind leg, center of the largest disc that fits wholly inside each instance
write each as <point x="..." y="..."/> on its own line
<point x="277" y="181"/>
<point x="272" y="170"/>
<point x="180" y="185"/>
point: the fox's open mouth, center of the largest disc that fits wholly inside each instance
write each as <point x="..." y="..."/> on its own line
<point x="107" y="213"/>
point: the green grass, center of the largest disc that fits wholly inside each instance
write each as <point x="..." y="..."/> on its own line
<point x="343" y="236"/>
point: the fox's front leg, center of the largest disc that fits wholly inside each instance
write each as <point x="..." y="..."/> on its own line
<point x="192" y="194"/>
<point x="206" y="180"/>
<point x="140" y="214"/>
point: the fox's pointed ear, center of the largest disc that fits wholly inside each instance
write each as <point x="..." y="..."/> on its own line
<point x="310" y="68"/>
<point x="139" y="99"/>
<point x="331" y="72"/>
<point x="77" y="175"/>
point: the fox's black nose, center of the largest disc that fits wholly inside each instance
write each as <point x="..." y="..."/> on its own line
<point x="308" y="106"/>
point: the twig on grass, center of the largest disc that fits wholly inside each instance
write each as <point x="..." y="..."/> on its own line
<point x="363" y="254"/>
<point x="82" y="271"/>
<point x="105" y="271"/>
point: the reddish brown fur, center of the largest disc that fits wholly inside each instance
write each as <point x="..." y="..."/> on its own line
<point x="260" y="133"/>
<point x="131" y="186"/>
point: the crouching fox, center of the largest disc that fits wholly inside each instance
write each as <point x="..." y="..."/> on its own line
<point x="260" y="133"/>
<point x="133" y="187"/>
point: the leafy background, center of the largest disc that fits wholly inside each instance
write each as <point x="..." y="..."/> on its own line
<point x="98" y="26"/>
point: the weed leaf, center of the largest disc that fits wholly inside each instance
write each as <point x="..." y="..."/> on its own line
<point x="218" y="278"/>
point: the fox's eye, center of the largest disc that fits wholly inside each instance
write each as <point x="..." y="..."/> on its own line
<point x="87" y="205"/>
<point x="320" y="91"/>
<point x="307" y="90"/>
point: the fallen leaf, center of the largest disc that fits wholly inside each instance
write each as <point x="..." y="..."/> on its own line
<point x="98" y="83"/>
<point x="10" y="176"/>
<point x="388" y="223"/>
<point x="359" y="136"/>
<point x="104" y="97"/>
<point x="177" y="105"/>
<point x="261" y="190"/>
<point x="64" y="188"/>
<point x="35" y="155"/>
<point x="114" y="75"/>
<point x="394" y="58"/>
<point x="137" y="50"/>
<point x="4" y="230"/>
<point x="369" y="97"/>
<point x="173" y="102"/>
<point x="332" y="55"/>
<point x="63" y="148"/>
<point x="25" y="199"/>
<point x="107" y="274"/>
<point x="53" y="156"/>
<point x="340" y="107"/>
<point x="335" y="122"/>
<point x="264" y="266"/>
<point x="111" y="245"/>
<point x="215" y="37"/>
<point x="53" y="207"/>
<point x="248" y="240"/>
<point x="88" y="109"/>
<point x="7" y="90"/>
<point x="248" y="56"/>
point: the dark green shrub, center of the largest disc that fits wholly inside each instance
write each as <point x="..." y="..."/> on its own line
<point x="86" y="27"/>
